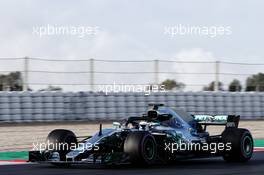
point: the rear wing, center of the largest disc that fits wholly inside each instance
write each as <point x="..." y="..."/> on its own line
<point x="230" y="121"/>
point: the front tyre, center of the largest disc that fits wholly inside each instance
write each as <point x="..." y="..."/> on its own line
<point x="61" y="141"/>
<point x="141" y="148"/>
<point x="241" y="145"/>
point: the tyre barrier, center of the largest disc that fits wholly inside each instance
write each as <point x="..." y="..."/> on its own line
<point x="62" y="106"/>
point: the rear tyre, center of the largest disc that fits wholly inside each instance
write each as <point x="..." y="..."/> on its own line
<point x="141" y="148"/>
<point x="241" y="145"/>
<point x="61" y="141"/>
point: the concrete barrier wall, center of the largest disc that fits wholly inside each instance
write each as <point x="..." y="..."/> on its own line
<point x="59" y="106"/>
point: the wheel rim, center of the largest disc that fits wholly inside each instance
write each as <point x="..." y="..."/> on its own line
<point x="247" y="145"/>
<point x="149" y="150"/>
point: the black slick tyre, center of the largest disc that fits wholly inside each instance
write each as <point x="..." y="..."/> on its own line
<point x="241" y="145"/>
<point x="141" y="148"/>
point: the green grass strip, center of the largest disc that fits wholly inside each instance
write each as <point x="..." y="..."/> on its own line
<point x="14" y="155"/>
<point x="259" y="143"/>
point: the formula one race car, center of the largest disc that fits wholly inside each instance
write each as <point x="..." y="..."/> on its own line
<point x="162" y="135"/>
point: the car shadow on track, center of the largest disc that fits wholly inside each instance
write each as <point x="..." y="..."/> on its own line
<point x="184" y="164"/>
<point x="205" y="163"/>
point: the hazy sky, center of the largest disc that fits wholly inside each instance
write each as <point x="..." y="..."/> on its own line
<point x="132" y="30"/>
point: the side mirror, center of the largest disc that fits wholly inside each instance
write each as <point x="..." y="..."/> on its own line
<point x="116" y="125"/>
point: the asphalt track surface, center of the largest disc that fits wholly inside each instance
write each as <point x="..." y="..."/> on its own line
<point x="193" y="167"/>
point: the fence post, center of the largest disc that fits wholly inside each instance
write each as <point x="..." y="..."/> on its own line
<point x="25" y="81"/>
<point x="92" y="74"/>
<point x="216" y="83"/>
<point x="156" y="71"/>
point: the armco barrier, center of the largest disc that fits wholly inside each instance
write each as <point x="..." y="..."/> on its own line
<point x="61" y="106"/>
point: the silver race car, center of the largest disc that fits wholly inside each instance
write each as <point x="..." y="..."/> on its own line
<point x="161" y="135"/>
